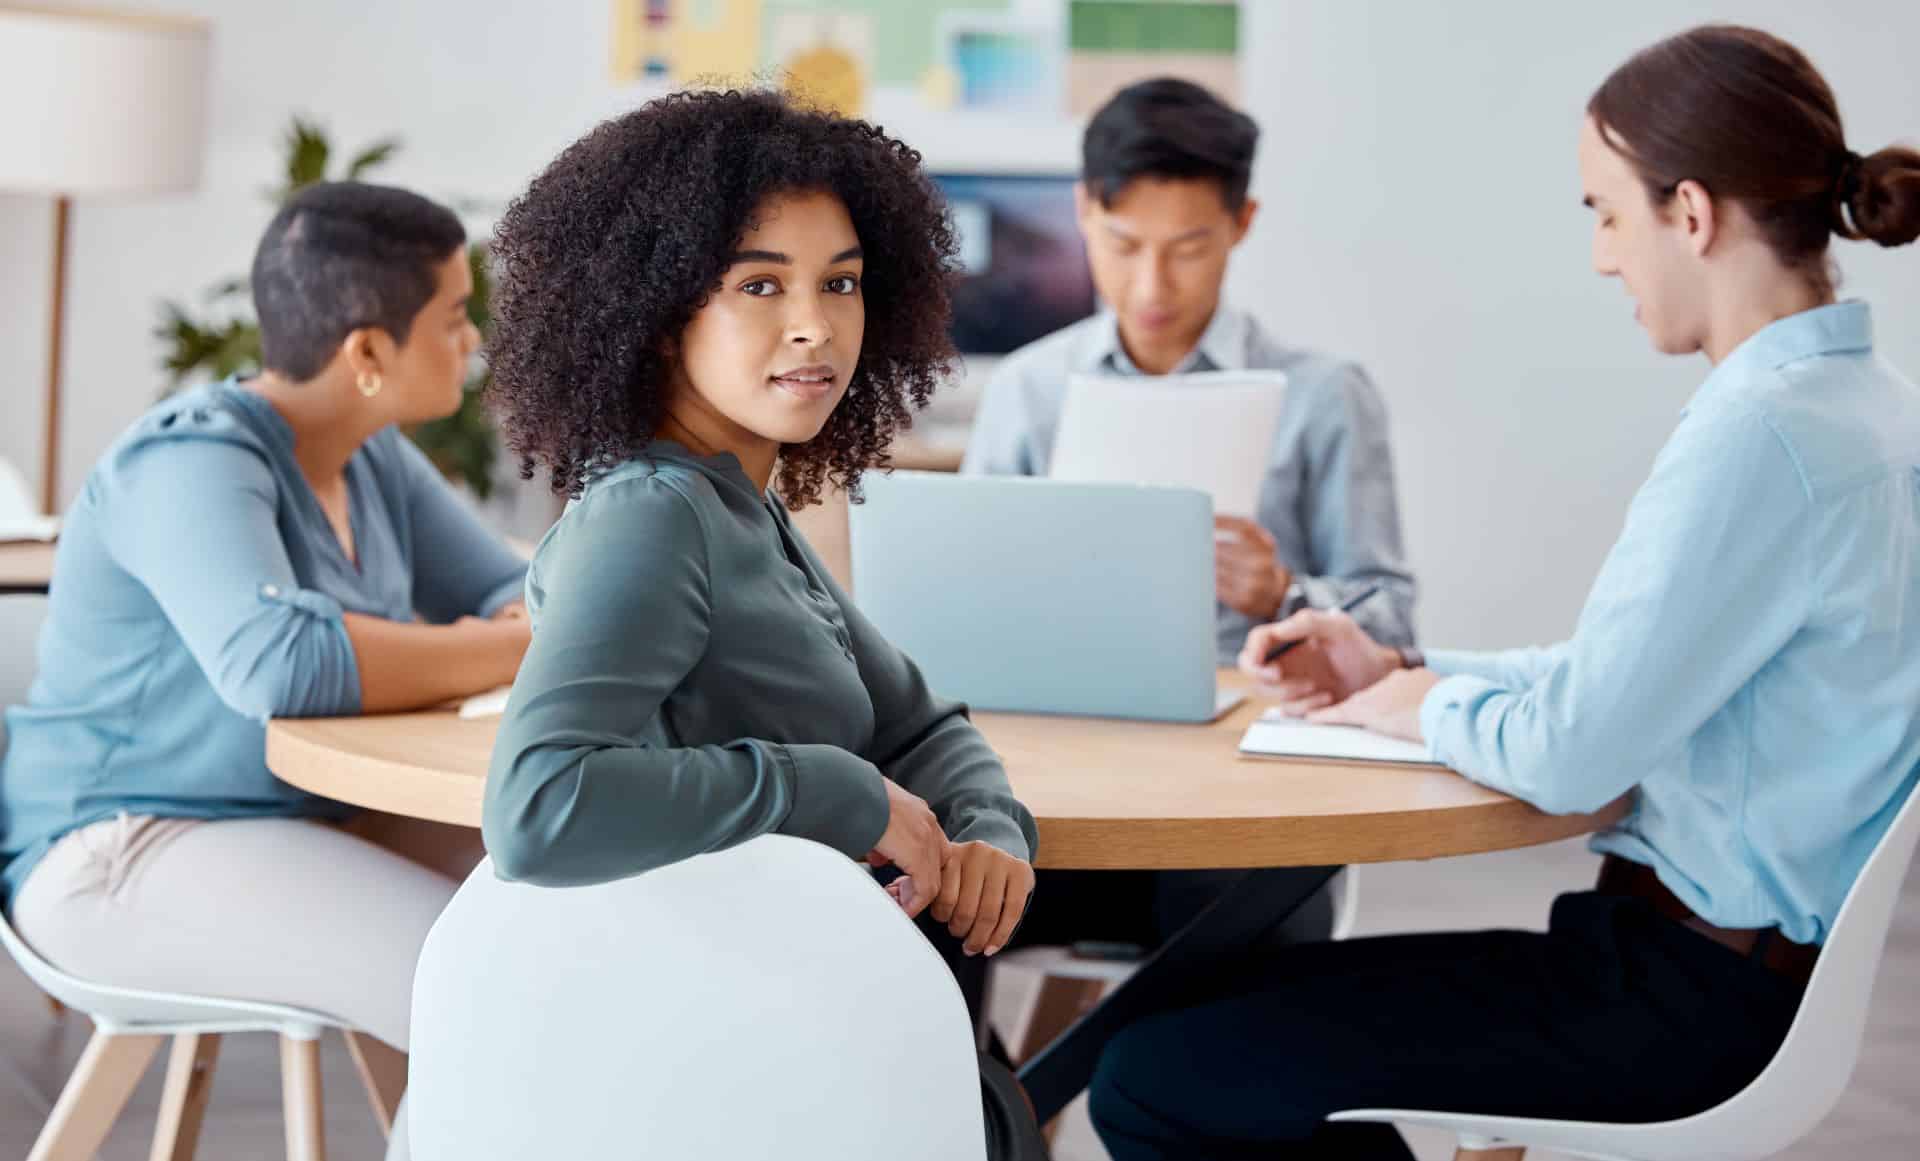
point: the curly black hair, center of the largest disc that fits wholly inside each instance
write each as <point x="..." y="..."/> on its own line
<point x="605" y="259"/>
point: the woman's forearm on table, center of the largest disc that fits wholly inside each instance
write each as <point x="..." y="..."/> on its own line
<point x="409" y="667"/>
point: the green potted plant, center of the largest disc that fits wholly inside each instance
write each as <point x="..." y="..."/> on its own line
<point x="224" y="340"/>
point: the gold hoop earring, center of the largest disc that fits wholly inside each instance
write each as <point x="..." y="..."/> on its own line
<point x="369" y="384"/>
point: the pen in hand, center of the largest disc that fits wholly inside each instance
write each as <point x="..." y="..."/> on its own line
<point x="1347" y="606"/>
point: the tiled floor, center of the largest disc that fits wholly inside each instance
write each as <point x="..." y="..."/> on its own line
<point x="1877" y="1121"/>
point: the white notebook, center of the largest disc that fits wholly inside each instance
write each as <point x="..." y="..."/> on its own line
<point x="16" y="529"/>
<point x="1209" y="430"/>
<point x="490" y="704"/>
<point x="1275" y="736"/>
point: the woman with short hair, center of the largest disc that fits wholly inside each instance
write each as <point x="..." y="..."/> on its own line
<point x="252" y="549"/>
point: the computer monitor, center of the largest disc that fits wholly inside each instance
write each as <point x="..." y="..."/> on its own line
<point x="1023" y="266"/>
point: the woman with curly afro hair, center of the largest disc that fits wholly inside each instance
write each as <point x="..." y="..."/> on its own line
<point x="715" y="291"/>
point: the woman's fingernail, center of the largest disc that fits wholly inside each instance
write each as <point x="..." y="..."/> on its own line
<point x="994" y="950"/>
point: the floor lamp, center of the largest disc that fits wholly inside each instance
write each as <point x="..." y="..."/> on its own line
<point x="97" y="105"/>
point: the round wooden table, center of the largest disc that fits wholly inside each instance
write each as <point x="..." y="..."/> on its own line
<point x="26" y="567"/>
<point x="1106" y="794"/>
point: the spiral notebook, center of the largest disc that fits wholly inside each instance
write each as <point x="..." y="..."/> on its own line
<point x="1273" y="735"/>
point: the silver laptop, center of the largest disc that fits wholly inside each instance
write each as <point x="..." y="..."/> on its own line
<point x="1042" y="596"/>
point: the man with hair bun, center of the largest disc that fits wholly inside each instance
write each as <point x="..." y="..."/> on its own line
<point x="1747" y="667"/>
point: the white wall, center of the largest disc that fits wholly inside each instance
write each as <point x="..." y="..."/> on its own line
<point x="1421" y="214"/>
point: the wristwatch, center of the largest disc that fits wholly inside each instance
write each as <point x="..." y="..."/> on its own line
<point x="1411" y="657"/>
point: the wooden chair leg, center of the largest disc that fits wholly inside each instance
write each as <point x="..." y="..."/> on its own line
<point x="56" y="1007"/>
<point x="183" y="1102"/>
<point x="1056" y="1005"/>
<point x="1059" y="1001"/>
<point x="300" y="1099"/>
<point x="1509" y="1153"/>
<point x="383" y="1070"/>
<point x="96" y="1092"/>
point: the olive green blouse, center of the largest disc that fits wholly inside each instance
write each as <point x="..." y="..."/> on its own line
<point x="696" y="678"/>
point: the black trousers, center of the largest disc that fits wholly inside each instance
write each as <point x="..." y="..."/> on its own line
<point x="1613" y="1014"/>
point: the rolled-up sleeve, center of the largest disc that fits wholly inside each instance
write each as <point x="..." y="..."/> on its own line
<point x="194" y="521"/>
<point x="577" y="792"/>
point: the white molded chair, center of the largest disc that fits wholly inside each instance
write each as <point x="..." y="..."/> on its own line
<point x="129" y="1026"/>
<point x="1791" y="1095"/>
<point x="765" y="1001"/>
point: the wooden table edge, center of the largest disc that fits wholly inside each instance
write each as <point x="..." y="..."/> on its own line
<point x="1304" y="840"/>
<point x="1065" y="842"/>
<point x="368" y="782"/>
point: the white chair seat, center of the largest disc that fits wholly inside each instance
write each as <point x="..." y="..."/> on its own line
<point x="160" y="1013"/>
<point x="1791" y="1095"/>
<point x="767" y="1000"/>
<point x="129" y="1026"/>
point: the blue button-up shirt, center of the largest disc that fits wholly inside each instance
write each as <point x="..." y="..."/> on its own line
<point x="1749" y="657"/>
<point x="1328" y="497"/>
<point x="199" y="589"/>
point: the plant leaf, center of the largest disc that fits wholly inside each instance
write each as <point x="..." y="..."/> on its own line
<point x="307" y="152"/>
<point x="464" y="445"/>
<point x="480" y="263"/>
<point x="219" y="350"/>
<point x="373" y="155"/>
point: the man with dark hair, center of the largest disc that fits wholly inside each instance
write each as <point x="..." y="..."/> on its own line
<point x="1163" y="202"/>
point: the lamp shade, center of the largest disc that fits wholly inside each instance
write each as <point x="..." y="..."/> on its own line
<point x="99" y="102"/>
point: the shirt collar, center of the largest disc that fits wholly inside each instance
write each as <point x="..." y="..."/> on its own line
<point x="1838" y="328"/>
<point x="1222" y="346"/>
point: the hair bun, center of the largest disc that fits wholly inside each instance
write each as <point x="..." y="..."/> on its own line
<point x="1877" y="197"/>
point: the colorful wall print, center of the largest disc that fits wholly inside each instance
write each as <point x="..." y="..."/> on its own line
<point x="1040" y="58"/>
<point x="683" y="41"/>
<point x="825" y="56"/>
<point x="1000" y="64"/>
<point x="1113" y="43"/>
<point x="638" y="45"/>
<point x="905" y="32"/>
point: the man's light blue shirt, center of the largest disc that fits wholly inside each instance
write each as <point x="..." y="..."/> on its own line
<point x="1749" y="657"/>
<point x="1328" y="498"/>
